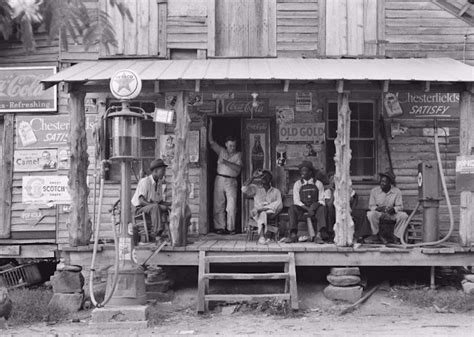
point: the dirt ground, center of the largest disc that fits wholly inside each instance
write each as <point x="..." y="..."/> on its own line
<point x="382" y="315"/>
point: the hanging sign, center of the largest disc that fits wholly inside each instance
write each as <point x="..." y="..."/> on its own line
<point x="302" y="132"/>
<point x="465" y="173"/>
<point x="125" y="84"/>
<point x="48" y="131"/>
<point x="422" y="105"/>
<point x="245" y="107"/>
<point x="45" y="190"/>
<point x="22" y="91"/>
<point x="35" y="160"/>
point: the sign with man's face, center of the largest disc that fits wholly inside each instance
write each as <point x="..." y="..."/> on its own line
<point x="32" y="160"/>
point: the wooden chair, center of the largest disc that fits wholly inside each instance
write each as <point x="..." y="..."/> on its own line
<point x="273" y="226"/>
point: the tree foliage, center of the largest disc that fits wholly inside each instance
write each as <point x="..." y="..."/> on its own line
<point x="66" y="20"/>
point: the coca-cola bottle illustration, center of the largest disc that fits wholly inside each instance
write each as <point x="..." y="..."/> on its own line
<point x="258" y="156"/>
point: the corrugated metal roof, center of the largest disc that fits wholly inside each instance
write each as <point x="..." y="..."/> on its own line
<point x="427" y="69"/>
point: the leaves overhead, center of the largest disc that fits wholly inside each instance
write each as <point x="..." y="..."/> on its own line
<point x="70" y="21"/>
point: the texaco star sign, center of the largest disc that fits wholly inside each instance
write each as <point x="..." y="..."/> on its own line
<point x="125" y="84"/>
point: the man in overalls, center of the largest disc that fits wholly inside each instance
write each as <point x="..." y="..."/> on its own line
<point x="229" y="165"/>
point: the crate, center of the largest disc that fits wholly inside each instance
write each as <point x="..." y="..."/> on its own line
<point x="24" y="275"/>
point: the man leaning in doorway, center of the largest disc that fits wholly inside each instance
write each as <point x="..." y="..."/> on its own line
<point x="229" y="165"/>
<point x="308" y="197"/>
<point x="148" y="197"/>
<point x="386" y="202"/>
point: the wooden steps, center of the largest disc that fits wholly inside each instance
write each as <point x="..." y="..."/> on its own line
<point x="288" y="274"/>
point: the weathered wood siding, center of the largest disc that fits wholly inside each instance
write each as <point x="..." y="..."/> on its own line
<point x="297" y="29"/>
<point x="422" y="29"/>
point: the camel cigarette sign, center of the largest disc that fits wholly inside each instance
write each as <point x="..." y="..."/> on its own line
<point x="22" y="91"/>
<point x="422" y="105"/>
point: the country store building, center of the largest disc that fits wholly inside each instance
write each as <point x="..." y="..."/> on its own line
<point x="293" y="74"/>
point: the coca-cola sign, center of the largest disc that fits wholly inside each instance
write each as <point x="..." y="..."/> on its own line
<point x="22" y="91"/>
<point x="246" y="107"/>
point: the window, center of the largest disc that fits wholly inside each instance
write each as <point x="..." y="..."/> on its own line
<point x="363" y="162"/>
<point x="148" y="144"/>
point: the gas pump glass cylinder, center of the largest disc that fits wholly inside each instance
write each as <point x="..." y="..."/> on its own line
<point x="125" y="135"/>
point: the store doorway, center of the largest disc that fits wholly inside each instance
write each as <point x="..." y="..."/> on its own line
<point x="222" y="128"/>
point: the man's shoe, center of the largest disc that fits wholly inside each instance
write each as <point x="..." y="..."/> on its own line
<point x="220" y="231"/>
<point x="317" y="239"/>
<point x="396" y="240"/>
<point x="232" y="233"/>
<point x="372" y="239"/>
<point x="293" y="238"/>
<point x="262" y="241"/>
<point x="383" y="239"/>
<point x="303" y="238"/>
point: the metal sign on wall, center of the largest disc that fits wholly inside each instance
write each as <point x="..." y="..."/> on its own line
<point x="22" y="91"/>
<point x="47" y="131"/>
<point x="45" y="190"/>
<point x="465" y="173"/>
<point x="302" y="132"/>
<point x="422" y="105"/>
<point x="245" y="107"/>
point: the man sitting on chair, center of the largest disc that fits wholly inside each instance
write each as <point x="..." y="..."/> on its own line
<point x="148" y="197"/>
<point x="267" y="201"/>
<point x="308" y="197"/>
<point x="386" y="202"/>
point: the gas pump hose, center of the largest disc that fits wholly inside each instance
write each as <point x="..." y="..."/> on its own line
<point x="448" y="202"/>
<point x="96" y="245"/>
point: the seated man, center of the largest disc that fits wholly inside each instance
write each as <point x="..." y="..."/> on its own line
<point x="267" y="201"/>
<point x="386" y="202"/>
<point x="308" y="197"/>
<point x="148" y="197"/>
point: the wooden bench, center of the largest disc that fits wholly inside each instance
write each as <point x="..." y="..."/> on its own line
<point x="288" y="274"/>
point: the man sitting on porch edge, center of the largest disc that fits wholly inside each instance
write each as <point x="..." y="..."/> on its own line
<point x="148" y="198"/>
<point x="308" y="197"/>
<point x="267" y="201"/>
<point x="385" y="203"/>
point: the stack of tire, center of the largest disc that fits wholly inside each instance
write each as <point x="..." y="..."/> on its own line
<point x="344" y="285"/>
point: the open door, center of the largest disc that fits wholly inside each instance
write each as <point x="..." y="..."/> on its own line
<point x="256" y="154"/>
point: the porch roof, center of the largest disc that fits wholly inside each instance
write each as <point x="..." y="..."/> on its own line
<point x="410" y="69"/>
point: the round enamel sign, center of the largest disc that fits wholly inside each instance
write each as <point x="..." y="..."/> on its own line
<point x="125" y="84"/>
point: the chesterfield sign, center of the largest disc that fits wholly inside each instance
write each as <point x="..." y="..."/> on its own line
<point x="21" y="90"/>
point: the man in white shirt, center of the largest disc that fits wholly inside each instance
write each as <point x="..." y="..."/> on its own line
<point x="148" y="197"/>
<point x="267" y="201"/>
<point x="229" y="165"/>
<point x="310" y="202"/>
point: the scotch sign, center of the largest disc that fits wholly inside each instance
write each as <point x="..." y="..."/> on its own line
<point x="21" y="90"/>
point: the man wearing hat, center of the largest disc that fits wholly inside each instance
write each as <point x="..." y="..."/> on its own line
<point x="386" y="202"/>
<point x="148" y="197"/>
<point x="267" y="201"/>
<point x="308" y="197"/>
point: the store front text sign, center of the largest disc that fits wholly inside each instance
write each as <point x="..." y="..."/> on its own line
<point x="302" y="132"/>
<point x="422" y="105"/>
<point x="21" y="90"/>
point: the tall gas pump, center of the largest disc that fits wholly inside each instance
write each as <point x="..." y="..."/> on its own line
<point x="125" y="282"/>
<point x="429" y="197"/>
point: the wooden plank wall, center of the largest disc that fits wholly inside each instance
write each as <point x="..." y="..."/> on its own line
<point x="297" y="28"/>
<point x="420" y="28"/>
<point x="13" y="53"/>
<point x="186" y="24"/>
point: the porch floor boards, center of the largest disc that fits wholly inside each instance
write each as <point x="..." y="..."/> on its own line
<point x="311" y="254"/>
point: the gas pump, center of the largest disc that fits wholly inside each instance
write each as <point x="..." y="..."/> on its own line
<point x="428" y="196"/>
<point x="126" y="283"/>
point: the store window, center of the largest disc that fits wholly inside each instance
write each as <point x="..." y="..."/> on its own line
<point x="148" y="143"/>
<point x="363" y="139"/>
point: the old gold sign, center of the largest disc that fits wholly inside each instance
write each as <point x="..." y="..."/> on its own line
<point x="302" y="132"/>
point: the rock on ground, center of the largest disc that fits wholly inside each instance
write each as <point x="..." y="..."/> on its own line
<point x="345" y="271"/>
<point x="348" y="294"/>
<point x="343" y="280"/>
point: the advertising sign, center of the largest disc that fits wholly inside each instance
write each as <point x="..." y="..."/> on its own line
<point x="304" y="101"/>
<point x="48" y="131"/>
<point x="21" y="90"/>
<point x="245" y="107"/>
<point x="302" y="132"/>
<point x="422" y="105"/>
<point x="45" y="190"/>
<point x="465" y="173"/>
<point x="35" y="160"/>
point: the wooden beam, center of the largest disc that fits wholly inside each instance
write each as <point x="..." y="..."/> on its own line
<point x="80" y="228"/>
<point x="386" y="86"/>
<point x="426" y="86"/>
<point x="466" y="221"/>
<point x="197" y="85"/>
<point x="286" y="86"/>
<point x="340" y="86"/>
<point x="156" y="86"/>
<point x="211" y="28"/>
<point x="6" y="176"/>
<point x="179" y="205"/>
<point x="344" y="227"/>
<point x="162" y="29"/>
<point x="381" y="28"/>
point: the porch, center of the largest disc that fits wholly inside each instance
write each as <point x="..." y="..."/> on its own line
<point x="310" y="254"/>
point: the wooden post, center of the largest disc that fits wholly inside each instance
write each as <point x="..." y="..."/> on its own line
<point x="344" y="227"/>
<point x="466" y="221"/>
<point x="80" y="227"/>
<point x="6" y="177"/>
<point x="178" y="227"/>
